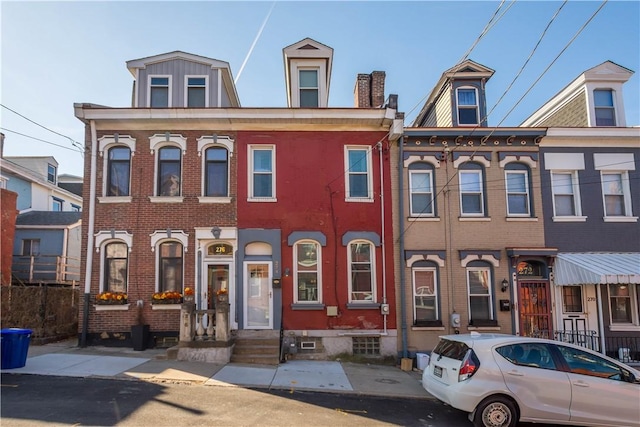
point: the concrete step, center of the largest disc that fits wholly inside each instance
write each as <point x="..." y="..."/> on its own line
<point x="172" y="353"/>
<point x="255" y="359"/>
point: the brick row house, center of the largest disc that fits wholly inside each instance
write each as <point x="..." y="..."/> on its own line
<point x="285" y="210"/>
<point x="590" y="170"/>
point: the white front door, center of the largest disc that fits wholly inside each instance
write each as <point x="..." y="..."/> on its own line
<point x="258" y="295"/>
<point x="578" y="315"/>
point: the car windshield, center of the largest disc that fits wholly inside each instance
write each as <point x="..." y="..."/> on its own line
<point x="451" y="349"/>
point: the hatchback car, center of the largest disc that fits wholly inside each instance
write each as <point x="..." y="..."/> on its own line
<point x="502" y="379"/>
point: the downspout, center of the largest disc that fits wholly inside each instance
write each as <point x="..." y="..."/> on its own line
<point x="90" y="237"/>
<point x="384" y="252"/>
<point x="603" y="347"/>
<point x="403" y="311"/>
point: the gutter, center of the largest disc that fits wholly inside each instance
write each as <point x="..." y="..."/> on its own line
<point x="403" y="310"/>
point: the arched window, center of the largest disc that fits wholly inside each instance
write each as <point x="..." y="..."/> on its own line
<point x="307" y="272"/>
<point x="216" y="172"/>
<point x="116" y="261"/>
<point x="118" y="173"/>
<point x="426" y="304"/>
<point x="169" y="171"/>
<point x="421" y="189"/>
<point x="361" y="259"/>
<point x="170" y="266"/>
<point x="472" y="198"/>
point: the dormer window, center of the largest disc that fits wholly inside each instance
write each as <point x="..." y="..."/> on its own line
<point x="196" y="92"/>
<point x="51" y="173"/>
<point x="159" y="91"/>
<point x="308" y="88"/>
<point x="467" y="106"/>
<point x="605" y="111"/>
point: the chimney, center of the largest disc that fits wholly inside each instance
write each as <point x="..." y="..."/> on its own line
<point x="377" y="89"/>
<point x="363" y="91"/>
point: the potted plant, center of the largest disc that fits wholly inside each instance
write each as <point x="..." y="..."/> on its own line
<point x="111" y="298"/>
<point x="140" y="331"/>
<point x="166" y="297"/>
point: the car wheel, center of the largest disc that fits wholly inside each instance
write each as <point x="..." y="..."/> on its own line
<point x="496" y="411"/>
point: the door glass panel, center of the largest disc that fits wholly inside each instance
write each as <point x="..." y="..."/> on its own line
<point x="258" y="296"/>
<point x="217" y="279"/>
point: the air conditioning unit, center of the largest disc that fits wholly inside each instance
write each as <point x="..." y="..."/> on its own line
<point x="624" y="354"/>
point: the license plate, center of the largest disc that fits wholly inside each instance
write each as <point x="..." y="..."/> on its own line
<point x="437" y="371"/>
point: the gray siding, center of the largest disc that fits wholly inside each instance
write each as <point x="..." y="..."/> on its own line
<point x="573" y="114"/>
<point x="178" y="69"/>
<point x="594" y="234"/>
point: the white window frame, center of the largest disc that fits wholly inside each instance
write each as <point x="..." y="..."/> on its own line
<point x="56" y="201"/>
<point x="489" y="296"/>
<point x="611" y="107"/>
<point x="308" y="64"/>
<point x="372" y="264"/>
<point x="480" y="174"/>
<point x="32" y="243"/>
<point x="103" y="238"/>
<point x="318" y="271"/>
<point x="103" y="264"/>
<point x="625" y="193"/>
<point x="169" y="91"/>
<point x="416" y="295"/>
<point x="475" y="107"/>
<point x="368" y="173"/>
<point x="526" y="193"/>
<point x="635" y="315"/>
<point x="105" y="144"/>
<point x="414" y="191"/>
<point x="309" y="88"/>
<point x="575" y="188"/>
<point x="187" y="86"/>
<point x="52" y="173"/>
<point x="250" y="171"/>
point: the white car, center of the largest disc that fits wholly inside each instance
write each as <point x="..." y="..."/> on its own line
<point x="503" y="379"/>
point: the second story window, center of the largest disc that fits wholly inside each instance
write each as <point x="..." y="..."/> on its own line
<point x="308" y="88"/>
<point x="467" y="106"/>
<point x="159" y="93"/>
<point x="51" y="173"/>
<point x="517" y="183"/>
<point x="604" y="108"/>
<point x="262" y="172"/>
<point x="358" y="173"/>
<point x="118" y="171"/>
<point x="471" y="192"/>
<point x="169" y="171"/>
<point x="421" y="190"/>
<point x="56" y="204"/>
<point x="216" y="173"/>
<point x="196" y="92"/>
<point x="615" y="190"/>
<point x="564" y="186"/>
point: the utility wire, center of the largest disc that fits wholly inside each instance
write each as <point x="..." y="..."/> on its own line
<point x="73" y="142"/>
<point x="75" y="150"/>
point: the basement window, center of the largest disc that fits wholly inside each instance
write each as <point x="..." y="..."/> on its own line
<point x="367" y="346"/>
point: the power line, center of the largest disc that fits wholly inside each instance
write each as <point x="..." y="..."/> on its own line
<point x="73" y="142"/>
<point x="42" y="140"/>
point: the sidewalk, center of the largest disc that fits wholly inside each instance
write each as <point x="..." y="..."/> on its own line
<point x="66" y="359"/>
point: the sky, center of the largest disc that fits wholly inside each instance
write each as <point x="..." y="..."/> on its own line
<point x="55" y="54"/>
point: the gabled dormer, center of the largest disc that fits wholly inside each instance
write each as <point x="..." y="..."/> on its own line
<point x="182" y="80"/>
<point x="594" y="99"/>
<point x="307" y="65"/>
<point x="458" y="99"/>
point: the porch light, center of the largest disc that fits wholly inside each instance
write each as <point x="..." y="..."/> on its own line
<point x="505" y="285"/>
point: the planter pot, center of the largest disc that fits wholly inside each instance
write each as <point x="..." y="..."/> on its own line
<point x="139" y="337"/>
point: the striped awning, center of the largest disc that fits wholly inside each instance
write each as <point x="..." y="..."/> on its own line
<point x="597" y="268"/>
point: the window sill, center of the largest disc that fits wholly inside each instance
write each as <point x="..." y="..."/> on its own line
<point x="206" y="199"/>
<point x="166" y="306"/>
<point x="358" y="200"/>
<point x="484" y="328"/>
<point x="522" y="219"/>
<point x="363" y="306"/>
<point x="474" y="218"/>
<point x="308" y="306"/>
<point x="424" y="218"/>
<point x="115" y="199"/>
<point x="623" y="328"/>
<point x="620" y="219"/>
<point x="263" y="200"/>
<point x="569" y="219"/>
<point x="166" y="199"/>
<point x="427" y="328"/>
<point x="114" y="307"/>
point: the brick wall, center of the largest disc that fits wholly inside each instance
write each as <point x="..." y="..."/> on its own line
<point x="8" y="225"/>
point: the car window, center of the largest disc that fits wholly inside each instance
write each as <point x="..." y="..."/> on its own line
<point x="451" y="349"/>
<point x="535" y="355"/>
<point x="584" y="363"/>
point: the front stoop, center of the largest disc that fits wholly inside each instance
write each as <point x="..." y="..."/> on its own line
<point x="257" y="347"/>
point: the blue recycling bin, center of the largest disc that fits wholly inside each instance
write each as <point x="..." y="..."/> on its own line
<point x="15" y="346"/>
